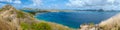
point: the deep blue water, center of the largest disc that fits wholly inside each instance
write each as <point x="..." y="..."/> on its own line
<point x="74" y="19"/>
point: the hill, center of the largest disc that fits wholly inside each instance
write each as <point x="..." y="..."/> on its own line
<point x="112" y="23"/>
<point x="13" y="19"/>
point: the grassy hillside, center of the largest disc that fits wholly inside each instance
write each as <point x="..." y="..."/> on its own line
<point x="112" y="23"/>
<point x="13" y="19"/>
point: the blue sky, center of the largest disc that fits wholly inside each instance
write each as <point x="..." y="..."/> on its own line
<point x="64" y="4"/>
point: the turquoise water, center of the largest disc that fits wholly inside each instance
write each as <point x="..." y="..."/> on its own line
<point x="74" y="19"/>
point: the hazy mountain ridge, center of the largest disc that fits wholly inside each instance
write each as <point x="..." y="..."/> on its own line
<point x="37" y="10"/>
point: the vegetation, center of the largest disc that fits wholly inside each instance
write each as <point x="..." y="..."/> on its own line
<point x="42" y="26"/>
<point x="91" y="24"/>
<point x="36" y="26"/>
<point x="18" y="20"/>
<point x="0" y="10"/>
<point x="20" y="14"/>
<point x="25" y="26"/>
<point x="115" y="27"/>
<point x="99" y="27"/>
<point x="33" y="13"/>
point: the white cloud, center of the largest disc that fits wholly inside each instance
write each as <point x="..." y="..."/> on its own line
<point x="6" y="1"/>
<point x="75" y="3"/>
<point x="54" y="6"/>
<point x="17" y="2"/>
<point x="11" y="1"/>
<point x="86" y="2"/>
<point x="105" y="4"/>
<point x="111" y="1"/>
<point x="36" y="2"/>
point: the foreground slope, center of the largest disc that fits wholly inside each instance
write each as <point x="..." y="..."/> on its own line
<point x="13" y="19"/>
<point x="112" y="23"/>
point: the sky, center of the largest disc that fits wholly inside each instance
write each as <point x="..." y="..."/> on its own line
<point x="64" y="4"/>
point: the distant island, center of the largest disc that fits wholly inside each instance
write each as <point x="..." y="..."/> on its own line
<point x="37" y="10"/>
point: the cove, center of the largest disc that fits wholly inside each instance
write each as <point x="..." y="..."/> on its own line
<point x="75" y="19"/>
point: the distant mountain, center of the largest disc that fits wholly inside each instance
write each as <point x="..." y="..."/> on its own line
<point x="13" y="19"/>
<point x="98" y="10"/>
<point x="35" y="11"/>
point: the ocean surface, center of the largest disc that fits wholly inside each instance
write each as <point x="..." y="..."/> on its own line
<point x="75" y="19"/>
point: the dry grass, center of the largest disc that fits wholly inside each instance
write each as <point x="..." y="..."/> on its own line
<point x="11" y="19"/>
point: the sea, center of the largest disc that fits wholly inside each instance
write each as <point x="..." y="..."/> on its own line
<point x="75" y="19"/>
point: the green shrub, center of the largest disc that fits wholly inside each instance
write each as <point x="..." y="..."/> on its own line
<point x="33" y="13"/>
<point x="1" y="10"/>
<point x="92" y="24"/>
<point x="24" y="26"/>
<point x="41" y="26"/>
<point x="20" y="14"/>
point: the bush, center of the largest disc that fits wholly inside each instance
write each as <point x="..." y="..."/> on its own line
<point x="20" y="14"/>
<point x="24" y="26"/>
<point x="41" y="26"/>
